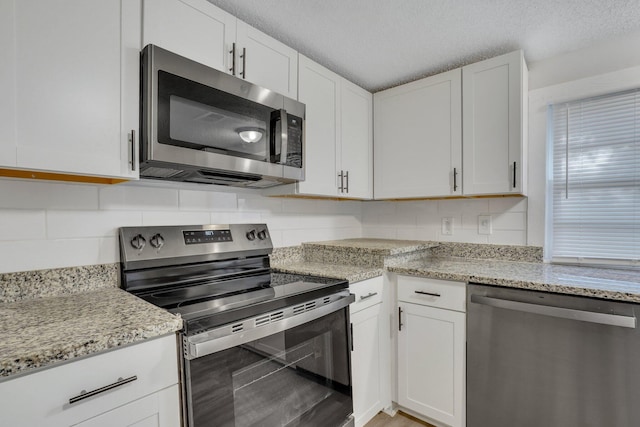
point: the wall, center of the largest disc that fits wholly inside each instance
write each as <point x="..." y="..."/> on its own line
<point x="50" y="225"/>
<point x="601" y="68"/>
<point x="423" y="220"/>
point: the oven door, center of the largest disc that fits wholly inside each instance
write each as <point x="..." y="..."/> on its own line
<point x="294" y="371"/>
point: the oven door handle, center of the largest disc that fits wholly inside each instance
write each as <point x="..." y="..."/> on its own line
<point x="244" y="331"/>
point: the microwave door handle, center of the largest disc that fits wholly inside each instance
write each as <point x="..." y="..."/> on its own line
<point x="275" y="143"/>
<point x="284" y="136"/>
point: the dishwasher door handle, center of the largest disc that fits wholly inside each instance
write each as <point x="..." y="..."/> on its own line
<point x="561" y="312"/>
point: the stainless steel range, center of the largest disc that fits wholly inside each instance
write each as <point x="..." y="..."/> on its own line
<point x="259" y="348"/>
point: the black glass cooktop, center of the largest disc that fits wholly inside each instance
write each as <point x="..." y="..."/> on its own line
<point x="215" y="302"/>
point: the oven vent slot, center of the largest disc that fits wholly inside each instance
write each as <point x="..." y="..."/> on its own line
<point x="310" y="305"/>
<point x="298" y="309"/>
<point x="326" y="300"/>
<point x="238" y="327"/>
<point x="269" y="318"/>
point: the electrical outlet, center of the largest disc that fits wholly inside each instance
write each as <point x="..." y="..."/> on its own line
<point x="447" y="226"/>
<point x="484" y="224"/>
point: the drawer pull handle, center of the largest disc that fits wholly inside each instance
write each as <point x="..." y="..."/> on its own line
<point x="372" y="294"/>
<point x="86" y="394"/>
<point x="431" y="294"/>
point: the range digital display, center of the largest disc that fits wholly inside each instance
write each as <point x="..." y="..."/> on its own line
<point x="206" y="236"/>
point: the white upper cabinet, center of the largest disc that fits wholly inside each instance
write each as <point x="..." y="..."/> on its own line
<point x="356" y="141"/>
<point x="338" y="135"/>
<point x="204" y="33"/>
<point x="71" y="72"/>
<point x="195" y="29"/>
<point x="495" y="125"/>
<point x="418" y="144"/>
<point x="320" y="92"/>
<point x="265" y="61"/>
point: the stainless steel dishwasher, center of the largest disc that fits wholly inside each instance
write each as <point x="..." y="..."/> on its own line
<point x="541" y="359"/>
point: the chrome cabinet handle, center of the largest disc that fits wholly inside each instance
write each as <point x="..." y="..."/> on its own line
<point x="351" y="334"/>
<point x="346" y="176"/>
<point x="341" y="187"/>
<point x="244" y="63"/>
<point x="431" y="294"/>
<point x="561" y="312"/>
<point x="455" y="183"/>
<point x="87" y="394"/>
<point x="132" y="139"/>
<point x="399" y="318"/>
<point x="372" y="294"/>
<point x="514" y="174"/>
<point x="233" y="59"/>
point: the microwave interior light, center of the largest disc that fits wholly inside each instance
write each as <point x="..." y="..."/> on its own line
<point x="250" y="135"/>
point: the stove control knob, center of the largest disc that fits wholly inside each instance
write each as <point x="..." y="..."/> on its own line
<point x="157" y="241"/>
<point x="262" y="234"/>
<point x="251" y="235"/>
<point x="138" y="242"/>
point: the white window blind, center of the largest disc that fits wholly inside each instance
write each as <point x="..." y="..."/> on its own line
<point x="595" y="179"/>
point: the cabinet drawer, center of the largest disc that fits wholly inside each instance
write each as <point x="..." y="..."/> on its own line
<point x="367" y="292"/>
<point x="42" y="398"/>
<point x="432" y="292"/>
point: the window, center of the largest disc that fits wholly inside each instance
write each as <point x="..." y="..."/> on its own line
<point x="593" y="192"/>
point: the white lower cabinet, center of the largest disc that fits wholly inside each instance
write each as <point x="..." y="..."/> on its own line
<point x="148" y="395"/>
<point x="431" y="349"/>
<point x="368" y="350"/>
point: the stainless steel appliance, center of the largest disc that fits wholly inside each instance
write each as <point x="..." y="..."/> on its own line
<point x="540" y="359"/>
<point x="258" y="348"/>
<point x="205" y="126"/>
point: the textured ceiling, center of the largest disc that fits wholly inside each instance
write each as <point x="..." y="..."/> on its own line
<point x="382" y="43"/>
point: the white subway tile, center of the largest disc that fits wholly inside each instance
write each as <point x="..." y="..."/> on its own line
<point x="191" y="200"/>
<point x="43" y="254"/>
<point x="175" y="218"/>
<point x="463" y="206"/>
<point x="306" y="206"/>
<point x="418" y="208"/>
<point x="508" y="204"/>
<point x="235" y="218"/>
<point x="18" y="194"/>
<point x="19" y="224"/>
<point x="464" y="236"/>
<point x="399" y="219"/>
<point x="286" y="222"/>
<point x="259" y="203"/>
<point x="380" y="232"/>
<point x="276" y="239"/>
<point x="379" y="207"/>
<point x="509" y="221"/>
<point x="75" y="224"/>
<point x="138" y="198"/>
<point x="417" y="233"/>
<point x="508" y="237"/>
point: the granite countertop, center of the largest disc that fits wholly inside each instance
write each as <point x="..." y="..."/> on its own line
<point x="377" y="246"/>
<point x="351" y="273"/>
<point x="607" y="283"/>
<point x="43" y="331"/>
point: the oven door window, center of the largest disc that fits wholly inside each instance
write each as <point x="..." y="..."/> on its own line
<point x="298" y="377"/>
<point x="196" y="116"/>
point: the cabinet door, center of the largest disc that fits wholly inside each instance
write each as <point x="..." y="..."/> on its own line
<point x="356" y="140"/>
<point x="195" y="29"/>
<point x="76" y="87"/>
<point x="7" y="84"/>
<point x="266" y="62"/>
<point x="494" y="130"/>
<point x="319" y="91"/>
<point x="431" y="363"/>
<point x="160" y="409"/>
<point x="418" y="138"/>
<point x="365" y="362"/>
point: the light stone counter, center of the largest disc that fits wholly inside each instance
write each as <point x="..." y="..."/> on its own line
<point x="607" y="283"/>
<point x="51" y="316"/>
<point x="350" y="273"/>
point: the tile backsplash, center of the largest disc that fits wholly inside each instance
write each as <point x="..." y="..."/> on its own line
<point x="47" y="225"/>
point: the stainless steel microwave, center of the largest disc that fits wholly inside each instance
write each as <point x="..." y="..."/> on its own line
<point x="204" y="126"/>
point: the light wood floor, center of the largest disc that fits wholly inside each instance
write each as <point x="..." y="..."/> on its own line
<point x="400" y="420"/>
